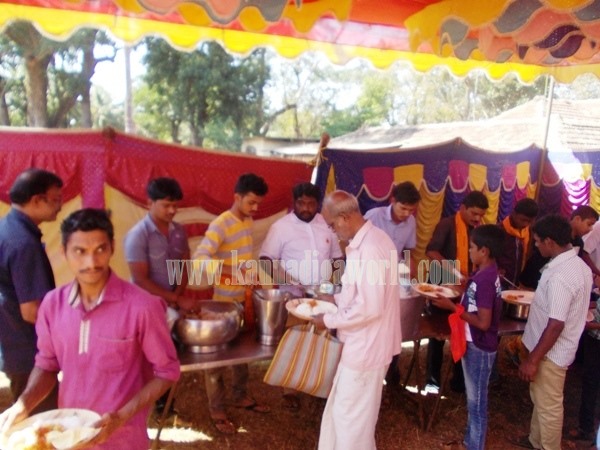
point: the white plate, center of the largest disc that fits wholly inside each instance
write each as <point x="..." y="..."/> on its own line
<point x="519" y="297"/>
<point x="77" y="423"/>
<point x="433" y="290"/>
<point x="590" y="315"/>
<point x="306" y="308"/>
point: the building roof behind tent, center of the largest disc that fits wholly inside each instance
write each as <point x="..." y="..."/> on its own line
<point x="574" y="125"/>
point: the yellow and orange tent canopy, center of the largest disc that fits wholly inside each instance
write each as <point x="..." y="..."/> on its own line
<point x="528" y="37"/>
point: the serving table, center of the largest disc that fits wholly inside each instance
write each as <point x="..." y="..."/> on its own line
<point x="242" y="350"/>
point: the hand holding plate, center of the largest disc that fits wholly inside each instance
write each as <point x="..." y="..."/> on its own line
<point x="443" y="302"/>
<point x="318" y="320"/>
<point x="13" y="415"/>
<point x="108" y="424"/>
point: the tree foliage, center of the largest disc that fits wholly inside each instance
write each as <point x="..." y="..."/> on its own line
<point x="216" y="97"/>
<point x="53" y="77"/>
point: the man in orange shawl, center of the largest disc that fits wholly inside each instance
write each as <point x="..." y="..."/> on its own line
<point x="449" y="246"/>
<point x="516" y="241"/>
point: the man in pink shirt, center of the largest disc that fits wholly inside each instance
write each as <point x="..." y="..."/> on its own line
<point x="107" y="336"/>
<point x="368" y="323"/>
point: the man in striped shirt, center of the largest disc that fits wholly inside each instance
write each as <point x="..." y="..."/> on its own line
<point x="556" y="320"/>
<point x="228" y="244"/>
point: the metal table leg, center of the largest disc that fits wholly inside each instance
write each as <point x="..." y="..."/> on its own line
<point x="164" y="414"/>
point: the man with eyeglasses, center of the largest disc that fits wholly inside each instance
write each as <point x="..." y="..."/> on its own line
<point x="25" y="273"/>
<point x="366" y="322"/>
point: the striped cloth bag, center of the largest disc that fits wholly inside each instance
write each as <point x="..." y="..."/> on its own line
<point x="305" y="361"/>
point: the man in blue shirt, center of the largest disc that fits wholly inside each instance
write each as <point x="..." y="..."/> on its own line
<point x="25" y="273"/>
<point x="154" y="240"/>
<point x="398" y="221"/>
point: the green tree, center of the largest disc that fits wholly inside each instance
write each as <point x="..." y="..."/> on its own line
<point x="56" y="76"/>
<point x="584" y="87"/>
<point x="203" y="90"/>
<point x="13" y="101"/>
<point x="309" y="95"/>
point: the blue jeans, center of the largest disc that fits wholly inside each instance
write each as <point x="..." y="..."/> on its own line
<point x="477" y="366"/>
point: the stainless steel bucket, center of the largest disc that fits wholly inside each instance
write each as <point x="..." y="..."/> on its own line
<point x="270" y="314"/>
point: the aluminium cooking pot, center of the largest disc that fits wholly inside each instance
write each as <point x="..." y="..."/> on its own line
<point x="519" y="311"/>
<point x="517" y="303"/>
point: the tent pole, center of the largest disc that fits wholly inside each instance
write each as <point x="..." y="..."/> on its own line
<point x="548" y="112"/>
<point x="129" y="123"/>
<point x="544" y="154"/>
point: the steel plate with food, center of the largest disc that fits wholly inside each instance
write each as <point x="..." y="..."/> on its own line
<point x="306" y="308"/>
<point x="433" y="290"/>
<point x="521" y="297"/>
<point x="52" y="430"/>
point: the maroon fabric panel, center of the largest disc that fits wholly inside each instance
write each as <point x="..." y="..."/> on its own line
<point x="61" y="152"/>
<point x="85" y="160"/>
<point x="206" y="177"/>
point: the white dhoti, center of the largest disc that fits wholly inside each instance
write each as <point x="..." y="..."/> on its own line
<point x="352" y="409"/>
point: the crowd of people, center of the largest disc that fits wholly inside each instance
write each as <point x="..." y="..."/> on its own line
<point x="110" y="339"/>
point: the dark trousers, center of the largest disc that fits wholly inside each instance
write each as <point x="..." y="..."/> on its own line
<point x="18" y="382"/>
<point x="435" y="357"/>
<point x="392" y="377"/>
<point x="590" y="382"/>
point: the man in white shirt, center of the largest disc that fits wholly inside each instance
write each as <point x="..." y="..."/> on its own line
<point x="555" y="323"/>
<point x="591" y="243"/>
<point x="366" y="322"/>
<point x="300" y="249"/>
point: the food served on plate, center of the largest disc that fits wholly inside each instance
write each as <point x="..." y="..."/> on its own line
<point x="431" y="290"/>
<point x="513" y="296"/>
<point x="48" y="436"/>
<point x="57" y="429"/>
<point x="33" y="438"/>
<point x="310" y="308"/>
<point x="305" y="308"/>
<point x="426" y="288"/>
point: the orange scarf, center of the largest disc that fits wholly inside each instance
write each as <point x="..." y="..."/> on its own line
<point x="523" y="235"/>
<point x="462" y="244"/>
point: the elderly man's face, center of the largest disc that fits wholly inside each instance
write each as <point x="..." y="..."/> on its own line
<point x="339" y="224"/>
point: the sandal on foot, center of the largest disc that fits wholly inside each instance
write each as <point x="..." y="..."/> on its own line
<point x="224" y="426"/>
<point x="521" y="441"/>
<point x="255" y="407"/>
<point x="291" y="402"/>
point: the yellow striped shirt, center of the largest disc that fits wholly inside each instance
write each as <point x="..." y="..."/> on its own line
<point x="228" y="241"/>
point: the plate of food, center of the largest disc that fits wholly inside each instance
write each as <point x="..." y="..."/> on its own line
<point x="521" y="297"/>
<point x="306" y="308"/>
<point x="433" y="290"/>
<point x="52" y="430"/>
